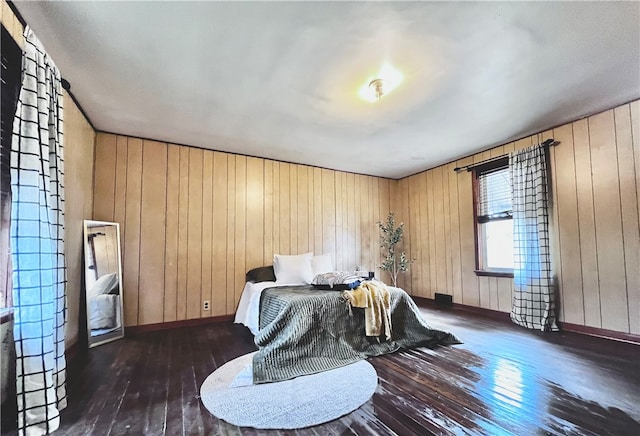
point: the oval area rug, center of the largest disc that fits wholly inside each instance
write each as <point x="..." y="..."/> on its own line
<point x="229" y="394"/>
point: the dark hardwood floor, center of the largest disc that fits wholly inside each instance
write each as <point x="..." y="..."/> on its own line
<point x="502" y="380"/>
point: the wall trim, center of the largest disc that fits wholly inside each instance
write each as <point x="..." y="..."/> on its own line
<point x="73" y="351"/>
<point x="489" y="313"/>
<point x="564" y="326"/>
<point x="135" y="330"/>
<point x="600" y="333"/>
<point x="491" y="147"/>
<point x="106" y="132"/>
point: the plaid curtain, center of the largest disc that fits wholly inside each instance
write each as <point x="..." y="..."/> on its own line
<point x="37" y="241"/>
<point x="533" y="302"/>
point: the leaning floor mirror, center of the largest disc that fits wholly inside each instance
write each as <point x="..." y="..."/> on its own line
<point x="103" y="280"/>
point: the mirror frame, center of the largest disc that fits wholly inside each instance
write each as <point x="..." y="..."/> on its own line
<point x="87" y="225"/>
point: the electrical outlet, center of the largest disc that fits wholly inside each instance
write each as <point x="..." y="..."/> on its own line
<point x="205" y="305"/>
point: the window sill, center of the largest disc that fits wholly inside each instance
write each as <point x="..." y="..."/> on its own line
<point x="494" y="273"/>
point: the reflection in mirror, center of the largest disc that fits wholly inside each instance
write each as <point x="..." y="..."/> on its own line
<point x="103" y="278"/>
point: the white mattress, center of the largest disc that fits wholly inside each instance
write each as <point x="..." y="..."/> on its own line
<point x="249" y="307"/>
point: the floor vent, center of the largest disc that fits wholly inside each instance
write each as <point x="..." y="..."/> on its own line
<point x="444" y="299"/>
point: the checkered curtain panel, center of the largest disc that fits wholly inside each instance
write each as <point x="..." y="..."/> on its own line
<point x="37" y="242"/>
<point x="533" y="302"/>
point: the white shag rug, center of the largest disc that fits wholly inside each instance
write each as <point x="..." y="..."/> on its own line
<point x="229" y="394"/>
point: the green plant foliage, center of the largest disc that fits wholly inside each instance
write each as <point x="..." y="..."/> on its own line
<point x="390" y="237"/>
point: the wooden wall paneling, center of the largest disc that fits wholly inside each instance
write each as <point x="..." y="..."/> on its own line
<point x="384" y="186"/>
<point x="374" y="208"/>
<point x="368" y="259"/>
<point x="634" y="286"/>
<point x="194" y="235"/>
<point x="293" y="208"/>
<point x="413" y="235"/>
<point x="207" y="230"/>
<point x="505" y="288"/>
<point x="171" y="234"/>
<point x="522" y="143"/>
<point x="348" y="259"/>
<point x="608" y="218"/>
<point x="220" y="234"/>
<point x="105" y="177"/>
<point x="351" y="221"/>
<point x="329" y="213"/>
<point x="375" y="218"/>
<point x="396" y="206"/>
<point x="629" y="209"/>
<point x="406" y="278"/>
<point x="426" y="274"/>
<point x="303" y="210"/>
<point x="120" y="189"/>
<point x="79" y="159"/>
<point x="310" y="209"/>
<point x="413" y="230"/>
<point x="101" y="254"/>
<point x="105" y="250"/>
<point x="362" y="221"/>
<point x="586" y="224"/>
<point x="446" y="237"/>
<point x="454" y="235"/>
<point x="241" y="232"/>
<point x="634" y="108"/>
<point x="255" y="214"/>
<point x="470" y="294"/>
<point x="414" y="226"/>
<point x="357" y="260"/>
<point x="420" y="237"/>
<point x="183" y="234"/>
<point x="338" y="259"/>
<point x="131" y="262"/>
<point x="276" y="211"/>
<point x="152" y="230"/>
<point x="231" y="233"/>
<point x="269" y="193"/>
<point x="440" y="229"/>
<point x="284" y="217"/>
<point x="483" y="281"/>
<point x="423" y="272"/>
<point x="428" y="235"/>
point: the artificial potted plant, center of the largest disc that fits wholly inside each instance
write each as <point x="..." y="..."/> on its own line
<point x="390" y="237"/>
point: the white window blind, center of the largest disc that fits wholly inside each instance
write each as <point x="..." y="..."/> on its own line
<point x="494" y="196"/>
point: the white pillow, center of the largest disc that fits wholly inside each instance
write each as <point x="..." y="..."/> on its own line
<point x="293" y="270"/>
<point x="321" y="264"/>
<point x="104" y="284"/>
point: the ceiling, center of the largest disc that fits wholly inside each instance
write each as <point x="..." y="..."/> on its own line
<point x="280" y="80"/>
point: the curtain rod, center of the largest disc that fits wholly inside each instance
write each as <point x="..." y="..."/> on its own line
<point x="548" y="143"/>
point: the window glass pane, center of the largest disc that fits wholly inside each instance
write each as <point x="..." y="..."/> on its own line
<point x="499" y="244"/>
<point x="494" y="191"/>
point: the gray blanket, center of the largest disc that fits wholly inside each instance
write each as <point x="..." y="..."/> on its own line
<point x="304" y="331"/>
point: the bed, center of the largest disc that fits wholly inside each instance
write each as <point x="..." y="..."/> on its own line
<point x="300" y="329"/>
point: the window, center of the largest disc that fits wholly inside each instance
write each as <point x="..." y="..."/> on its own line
<point x="493" y="218"/>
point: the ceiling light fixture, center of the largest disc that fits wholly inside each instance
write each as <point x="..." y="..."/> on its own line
<point x="377" y="86"/>
<point x="385" y="81"/>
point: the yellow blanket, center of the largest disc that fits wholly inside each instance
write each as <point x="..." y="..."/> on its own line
<point x="374" y="298"/>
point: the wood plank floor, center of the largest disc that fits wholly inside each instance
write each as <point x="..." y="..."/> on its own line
<point x="502" y="380"/>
